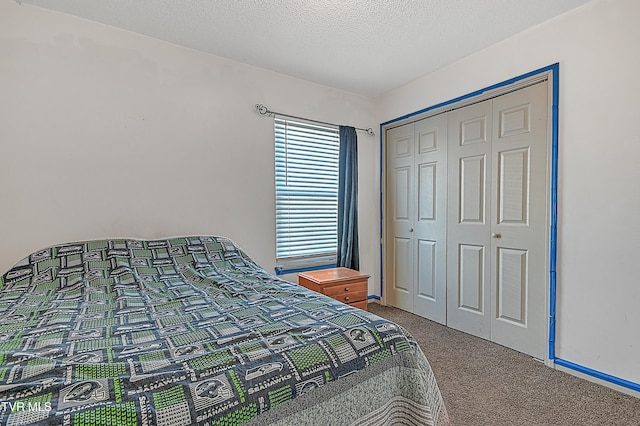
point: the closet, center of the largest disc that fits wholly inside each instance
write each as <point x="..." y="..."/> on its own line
<point x="466" y="223"/>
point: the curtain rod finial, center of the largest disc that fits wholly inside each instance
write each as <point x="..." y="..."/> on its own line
<point x="262" y="110"/>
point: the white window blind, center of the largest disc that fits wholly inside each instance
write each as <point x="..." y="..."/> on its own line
<point x="306" y="194"/>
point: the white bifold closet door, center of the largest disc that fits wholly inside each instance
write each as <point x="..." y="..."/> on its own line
<point x="467" y="218"/>
<point x="497" y="232"/>
<point x="416" y="217"/>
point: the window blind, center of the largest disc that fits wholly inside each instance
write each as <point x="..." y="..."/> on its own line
<point x="306" y="194"/>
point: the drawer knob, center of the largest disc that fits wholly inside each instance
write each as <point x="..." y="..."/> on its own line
<point x="346" y="298"/>
<point x="346" y="289"/>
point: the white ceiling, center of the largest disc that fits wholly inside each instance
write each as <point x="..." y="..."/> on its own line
<point x="363" y="46"/>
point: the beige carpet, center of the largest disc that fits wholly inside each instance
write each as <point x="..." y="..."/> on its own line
<point x="487" y="384"/>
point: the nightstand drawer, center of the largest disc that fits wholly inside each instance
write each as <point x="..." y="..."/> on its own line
<point x="350" y="297"/>
<point x="345" y="289"/>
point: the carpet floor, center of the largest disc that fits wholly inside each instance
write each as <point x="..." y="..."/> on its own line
<point x="483" y="383"/>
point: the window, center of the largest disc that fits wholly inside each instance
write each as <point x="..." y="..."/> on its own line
<point x="306" y="195"/>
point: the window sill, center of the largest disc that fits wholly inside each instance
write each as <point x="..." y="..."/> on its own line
<point x="283" y="270"/>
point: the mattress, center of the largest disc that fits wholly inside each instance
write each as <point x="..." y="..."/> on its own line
<point x="190" y="330"/>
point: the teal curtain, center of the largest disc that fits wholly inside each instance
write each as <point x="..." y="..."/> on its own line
<point x="348" y="255"/>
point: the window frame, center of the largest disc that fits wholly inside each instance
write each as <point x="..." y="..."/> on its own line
<point x="306" y="195"/>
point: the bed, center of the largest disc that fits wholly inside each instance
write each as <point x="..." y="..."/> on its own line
<point x="190" y="330"/>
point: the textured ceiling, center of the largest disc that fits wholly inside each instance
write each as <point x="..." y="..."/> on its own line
<point x="362" y="46"/>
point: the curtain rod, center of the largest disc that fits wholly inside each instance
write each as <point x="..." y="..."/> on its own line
<point x="263" y="110"/>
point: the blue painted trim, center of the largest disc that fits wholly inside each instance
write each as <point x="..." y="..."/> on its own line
<point x="599" y="375"/>
<point x="372" y="296"/>
<point x="472" y="94"/>
<point x="553" y="231"/>
<point x="283" y="271"/>
<point x="381" y="215"/>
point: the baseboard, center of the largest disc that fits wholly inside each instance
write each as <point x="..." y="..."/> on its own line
<point x="612" y="382"/>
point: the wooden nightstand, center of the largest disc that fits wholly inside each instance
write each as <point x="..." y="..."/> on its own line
<point x="343" y="284"/>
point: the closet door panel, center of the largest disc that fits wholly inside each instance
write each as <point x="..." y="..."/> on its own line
<point x="468" y="228"/>
<point x="519" y="220"/>
<point x="512" y="284"/>
<point x="400" y="211"/>
<point x="427" y="192"/>
<point x="402" y="282"/>
<point x="427" y="269"/>
<point x="431" y="218"/>
<point x="470" y="282"/>
<point x="471" y="189"/>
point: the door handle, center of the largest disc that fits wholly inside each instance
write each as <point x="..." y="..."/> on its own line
<point x="496" y="235"/>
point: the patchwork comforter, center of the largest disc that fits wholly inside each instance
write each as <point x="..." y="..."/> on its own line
<point x="191" y="331"/>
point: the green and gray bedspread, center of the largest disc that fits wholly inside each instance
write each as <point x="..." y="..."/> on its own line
<point x="191" y="331"/>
